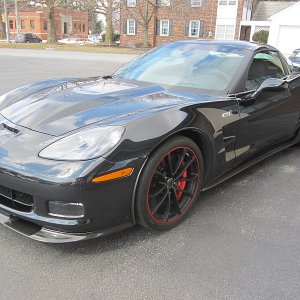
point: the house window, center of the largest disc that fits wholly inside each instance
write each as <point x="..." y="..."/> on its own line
<point x="131" y="3"/>
<point x="227" y="2"/>
<point x="11" y="24"/>
<point x="194" y="29"/>
<point x="131" y="27"/>
<point x="164" y="2"/>
<point x="83" y="27"/>
<point x="79" y="27"/>
<point x="75" y="26"/>
<point x="225" y="32"/>
<point x="45" y="25"/>
<point x="31" y="24"/>
<point x="196" y="2"/>
<point x="22" y="24"/>
<point x="164" y="28"/>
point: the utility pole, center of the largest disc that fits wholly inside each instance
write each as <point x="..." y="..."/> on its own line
<point x="17" y="16"/>
<point x="6" y="22"/>
<point x="2" y="29"/>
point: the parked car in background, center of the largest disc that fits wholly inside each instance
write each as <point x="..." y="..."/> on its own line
<point x="27" y="38"/>
<point x="295" y="58"/>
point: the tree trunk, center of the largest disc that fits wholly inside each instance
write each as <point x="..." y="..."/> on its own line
<point x="109" y="24"/>
<point x="146" y="24"/>
<point x="2" y="25"/>
<point x="146" y="36"/>
<point x="52" y="38"/>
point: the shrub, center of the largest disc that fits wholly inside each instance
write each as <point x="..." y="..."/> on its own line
<point x="116" y="37"/>
<point x="261" y="37"/>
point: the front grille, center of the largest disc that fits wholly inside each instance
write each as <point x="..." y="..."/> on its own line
<point x="15" y="199"/>
<point x="23" y="198"/>
<point x="4" y="191"/>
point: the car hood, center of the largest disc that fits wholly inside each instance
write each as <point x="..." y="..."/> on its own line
<point x="63" y="106"/>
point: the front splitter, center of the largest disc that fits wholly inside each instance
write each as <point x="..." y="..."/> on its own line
<point x="46" y="235"/>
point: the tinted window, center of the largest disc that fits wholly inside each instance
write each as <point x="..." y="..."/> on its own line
<point x="191" y="65"/>
<point x="265" y="65"/>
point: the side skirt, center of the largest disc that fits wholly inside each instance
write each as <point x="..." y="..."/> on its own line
<point x="248" y="164"/>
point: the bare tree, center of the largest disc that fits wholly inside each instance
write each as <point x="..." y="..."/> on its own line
<point x="48" y="6"/>
<point x="108" y="8"/>
<point x="143" y="14"/>
<point x="88" y="6"/>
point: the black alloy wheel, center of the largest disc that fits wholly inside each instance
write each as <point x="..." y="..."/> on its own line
<point x="169" y="184"/>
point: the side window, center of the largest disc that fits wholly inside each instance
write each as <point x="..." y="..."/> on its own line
<point x="265" y="65"/>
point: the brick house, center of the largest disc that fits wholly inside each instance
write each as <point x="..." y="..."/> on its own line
<point x="67" y="22"/>
<point x="180" y="19"/>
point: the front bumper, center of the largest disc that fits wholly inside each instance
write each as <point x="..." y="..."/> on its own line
<point x="46" y="235"/>
<point x="108" y="205"/>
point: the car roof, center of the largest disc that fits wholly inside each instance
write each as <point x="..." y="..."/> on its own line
<point x="236" y="43"/>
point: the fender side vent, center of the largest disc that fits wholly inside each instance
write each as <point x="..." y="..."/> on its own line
<point x="11" y="129"/>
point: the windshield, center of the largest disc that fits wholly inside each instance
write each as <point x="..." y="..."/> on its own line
<point x="192" y="65"/>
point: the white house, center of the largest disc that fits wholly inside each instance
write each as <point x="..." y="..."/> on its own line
<point x="285" y="29"/>
<point x="258" y="19"/>
<point x="226" y="19"/>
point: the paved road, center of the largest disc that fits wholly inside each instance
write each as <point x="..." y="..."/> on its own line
<point x="242" y="241"/>
<point x="19" y="67"/>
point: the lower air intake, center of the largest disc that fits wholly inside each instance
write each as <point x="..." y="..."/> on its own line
<point x="15" y="199"/>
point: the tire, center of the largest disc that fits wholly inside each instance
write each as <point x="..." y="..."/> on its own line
<point x="166" y="194"/>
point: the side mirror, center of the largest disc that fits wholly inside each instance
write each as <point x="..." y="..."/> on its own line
<point x="272" y="85"/>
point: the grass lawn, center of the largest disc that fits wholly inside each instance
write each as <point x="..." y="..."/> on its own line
<point x="62" y="47"/>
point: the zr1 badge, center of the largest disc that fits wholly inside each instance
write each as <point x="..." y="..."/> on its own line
<point x="227" y="114"/>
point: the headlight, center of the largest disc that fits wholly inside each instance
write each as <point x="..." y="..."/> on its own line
<point x="86" y="144"/>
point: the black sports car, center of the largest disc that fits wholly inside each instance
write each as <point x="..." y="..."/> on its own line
<point x="80" y="158"/>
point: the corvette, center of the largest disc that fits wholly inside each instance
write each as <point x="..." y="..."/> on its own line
<point x="81" y="158"/>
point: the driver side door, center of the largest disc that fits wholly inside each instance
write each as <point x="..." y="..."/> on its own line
<point x="273" y="116"/>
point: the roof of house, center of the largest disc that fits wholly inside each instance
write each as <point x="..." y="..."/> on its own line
<point x="266" y="9"/>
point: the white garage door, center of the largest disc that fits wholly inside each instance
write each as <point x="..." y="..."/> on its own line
<point x="288" y="39"/>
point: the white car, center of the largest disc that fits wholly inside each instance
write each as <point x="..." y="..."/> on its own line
<point x="95" y="38"/>
<point x="72" y="41"/>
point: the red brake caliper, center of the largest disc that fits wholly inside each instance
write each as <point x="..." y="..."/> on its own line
<point x="181" y="184"/>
